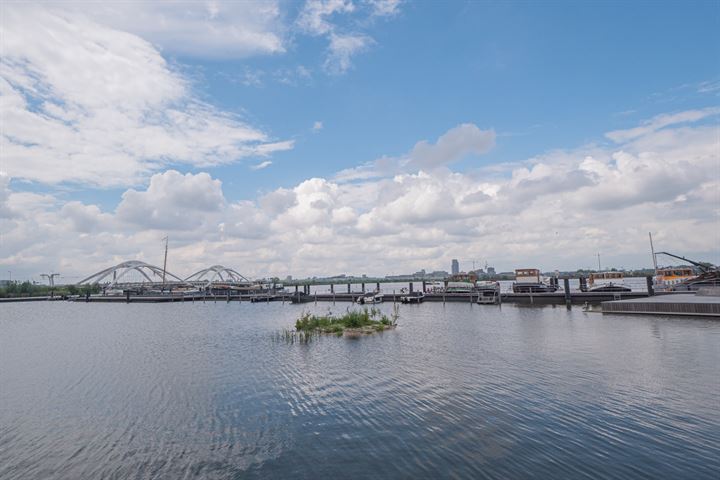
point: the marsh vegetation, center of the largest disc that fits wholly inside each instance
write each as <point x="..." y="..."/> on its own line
<point x="351" y="324"/>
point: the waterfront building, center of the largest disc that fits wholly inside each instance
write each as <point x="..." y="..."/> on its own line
<point x="455" y="267"/>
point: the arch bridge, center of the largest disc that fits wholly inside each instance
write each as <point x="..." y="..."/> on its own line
<point x="216" y="273"/>
<point x="126" y="273"/>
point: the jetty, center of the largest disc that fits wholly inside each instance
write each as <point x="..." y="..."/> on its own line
<point x="706" y="303"/>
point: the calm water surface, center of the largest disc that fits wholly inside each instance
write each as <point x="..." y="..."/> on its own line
<point x="457" y="391"/>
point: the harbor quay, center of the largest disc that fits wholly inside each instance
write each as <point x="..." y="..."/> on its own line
<point x="139" y="282"/>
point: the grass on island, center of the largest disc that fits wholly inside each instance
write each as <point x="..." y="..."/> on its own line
<point x="352" y="324"/>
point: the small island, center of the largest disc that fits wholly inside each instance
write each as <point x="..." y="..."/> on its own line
<point x="352" y="324"/>
<point x="358" y="322"/>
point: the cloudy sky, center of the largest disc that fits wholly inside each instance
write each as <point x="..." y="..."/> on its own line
<point x="356" y="136"/>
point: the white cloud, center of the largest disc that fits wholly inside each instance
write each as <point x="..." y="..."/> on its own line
<point x="385" y="8"/>
<point x="323" y="18"/>
<point x="197" y="28"/>
<point x="81" y="102"/>
<point x="661" y="121"/>
<point x="313" y="18"/>
<point x="172" y="201"/>
<point x="317" y="126"/>
<point x="261" y="165"/>
<point x="341" y="50"/>
<point x="458" y="142"/>
<point x="552" y="211"/>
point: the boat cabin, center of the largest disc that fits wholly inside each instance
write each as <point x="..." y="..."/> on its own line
<point x="459" y="287"/>
<point x="671" y="276"/>
<point x="527" y="275"/>
<point x="604" y="277"/>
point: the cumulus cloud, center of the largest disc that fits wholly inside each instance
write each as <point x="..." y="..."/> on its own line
<point x="172" y="201"/>
<point x="554" y="210"/>
<point x="85" y="103"/>
<point x="5" y="211"/>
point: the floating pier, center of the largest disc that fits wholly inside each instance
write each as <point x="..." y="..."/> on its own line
<point x="555" y="298"/>
<point x="705" y="303"/>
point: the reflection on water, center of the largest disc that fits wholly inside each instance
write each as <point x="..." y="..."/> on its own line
<point x="202" y="391"/>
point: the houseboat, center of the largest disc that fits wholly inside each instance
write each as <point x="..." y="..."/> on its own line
<point x="487" y="292"/>
<point x="460" y="287"/>
<point x="528" y="280"/>
<point x="668" y="278"/>
<point x="607" y="282"/>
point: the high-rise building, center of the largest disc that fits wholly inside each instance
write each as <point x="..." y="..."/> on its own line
<point x="455" y="267"/>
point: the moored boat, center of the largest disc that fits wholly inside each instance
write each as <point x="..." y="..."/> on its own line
<point x="607" y="282"/>
<point x="528" y="280"/>
<point x="301" y="297"/>
<point x="370" y="298"/>
<point x="413" y="297"/>
<point x="487" y="292"/>
<point x="685" y="278"/>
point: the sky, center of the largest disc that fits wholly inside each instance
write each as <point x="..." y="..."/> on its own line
<point x="357" y="136"/>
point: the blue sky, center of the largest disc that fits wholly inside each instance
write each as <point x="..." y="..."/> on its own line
<point x="543" y="76"/>
<point x="273" y="132"/>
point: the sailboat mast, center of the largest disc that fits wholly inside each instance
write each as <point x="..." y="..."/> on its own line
<point x="165" y="261"/>
<point x="652" y="250"/>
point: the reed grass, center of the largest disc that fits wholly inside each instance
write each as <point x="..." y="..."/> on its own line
<point x="351" y="324"/>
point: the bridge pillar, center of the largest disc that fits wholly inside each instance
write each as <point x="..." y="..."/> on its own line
<point x="411" y="287"/>
<point x="377" y="286"/>
<point x="424" y="286"/>
<point x="363" y="287"/>
<point x="651" y="290"/>
<point x="296" y="289"/>
<point x="583" y="284"/>
<point x="348" y="288"/>
<point x="332" y="288"/>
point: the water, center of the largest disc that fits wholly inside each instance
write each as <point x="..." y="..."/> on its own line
<point x="457" y="391"/>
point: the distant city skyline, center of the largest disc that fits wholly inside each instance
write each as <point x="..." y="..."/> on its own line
<point x="377" y="136"/>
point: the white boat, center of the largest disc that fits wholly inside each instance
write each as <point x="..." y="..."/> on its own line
<point x="413" y="297"/>
<point x="460" y="287"/>
<point x="487" y="292"/>
<point x="370" y="298"/>
<point x="607" y="282"/>
<point x="528" y="280"/>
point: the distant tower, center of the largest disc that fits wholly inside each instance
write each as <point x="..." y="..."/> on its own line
<point x="455" y="267"/>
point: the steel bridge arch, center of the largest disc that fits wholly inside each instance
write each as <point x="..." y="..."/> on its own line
<point x="216" y="272"/>
<point x="122" y="269"/>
